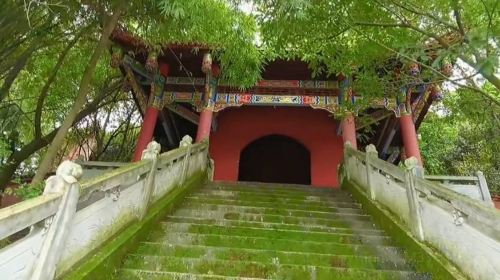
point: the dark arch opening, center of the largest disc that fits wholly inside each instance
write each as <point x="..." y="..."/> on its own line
<point x="275" y="159"/>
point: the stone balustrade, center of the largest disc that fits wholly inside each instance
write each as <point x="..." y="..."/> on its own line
<point x="75" y="217"/>
<point x="463" y="229"/>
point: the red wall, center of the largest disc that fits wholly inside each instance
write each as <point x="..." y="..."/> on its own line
<point x="315" y="129"/>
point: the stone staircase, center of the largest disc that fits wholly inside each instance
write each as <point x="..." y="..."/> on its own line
<point x="265" y="231"/>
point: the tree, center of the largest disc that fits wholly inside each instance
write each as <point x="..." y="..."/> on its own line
<point x="80" y="100"/>
<point x="464" y="138"/>
<point x="364" y="36"/>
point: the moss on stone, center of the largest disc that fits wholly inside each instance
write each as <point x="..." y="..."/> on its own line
<point x="421" y="256"/>
<point x="102" y="262"/>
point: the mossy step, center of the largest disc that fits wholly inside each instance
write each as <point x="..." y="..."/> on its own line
<point x="270" y="189"/>
<point x="272" y="256"/>
<point x="277" y="201"/>
<point x="282" y="226"/>
<point x="252" y="195"/>
<point x="276" y="204"/>
<point x="259" y="270"/>
<point x="273" y="186"/>
<point x="340" y="221"/>
<point x="348" y="214"/>
<point x="140" y="274"/>
<point x="276" y="234"/>
<point x="157" y="238"/>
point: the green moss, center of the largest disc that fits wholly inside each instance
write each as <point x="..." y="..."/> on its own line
<point x="334" y="207"/>
<point x="106" y="234"/>
<point x="280" y="226"/>
<point x="272" y="233"/>
<point x="104" y="261"/>
<point x="424" y="258"/>
<point x="254" y="269"/>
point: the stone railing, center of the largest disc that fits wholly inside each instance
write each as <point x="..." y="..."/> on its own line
<point x="92" y="169"/>
<point x="463" y="229"/>
<point x="71" y="219"/>
<point x="471" y="186"/>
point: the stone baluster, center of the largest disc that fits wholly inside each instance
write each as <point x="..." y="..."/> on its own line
<point x="371" y="153"/>
<point x="483" y="188"/>
<point x="347" y="146"/>
<point x="150" y="153"/>
<point x="186" y="141"/>
<point x="411" y="165"/>
<point x="57" y="227"/>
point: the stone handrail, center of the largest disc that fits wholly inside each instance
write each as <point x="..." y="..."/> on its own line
<point x="465" y="230"/>
<point x="71" y="219"/>
<point x="473" y="186"/>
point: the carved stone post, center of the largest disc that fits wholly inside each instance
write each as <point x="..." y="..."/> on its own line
<point x="150" y="153"/>
<point x="211" y="169"/>
<point x="186" y="141"/>
<point x="347" y="146"/>
<point x="65" y="182"/>
<point x="483" y="187"/>
<point x="371" y="153"/>
<point x="412" y="196"/>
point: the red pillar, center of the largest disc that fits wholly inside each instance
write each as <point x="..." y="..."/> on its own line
<point x="204" y="125"/>
<point x="349" y="130"/>
<point x="149" y="122"/>
<point x="409" y="135"/>
<point x="147" y="130"/>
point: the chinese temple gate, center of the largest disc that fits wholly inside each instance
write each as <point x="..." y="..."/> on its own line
<point x="178" y="93"/>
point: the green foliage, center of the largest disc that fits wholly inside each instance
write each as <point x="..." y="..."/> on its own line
<point x="229" y="32"/>
<point x="364" y="36"/>
<point x="465" y="138"/>
<point x="26" y="191"/>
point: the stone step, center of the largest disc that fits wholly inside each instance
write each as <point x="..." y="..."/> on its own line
<point x="341" y="221"/>
<point x="345" y="212"/>
<point x="272" y="256"/>
<point x="280" y="190"/>
<point x="156" y="238"/>
<point x="273" y="187"/>
<point x="343" y="238"/>
<point x="237" y="268"/>
<point x="281" y="226"/>
<point x="275" y="203"/>
<point x="141" y="274"/>
<point x="256" y="195"/>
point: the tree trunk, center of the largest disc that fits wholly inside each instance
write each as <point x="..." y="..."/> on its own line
<point x="14" y="72"/>
<point x="51" y="153"/>
<point x="6" y="173"/>
<point x="45" y="90"/>
<point x="7" y="170"/>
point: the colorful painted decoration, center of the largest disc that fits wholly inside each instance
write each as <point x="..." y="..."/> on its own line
<point x="414" y="69"/>
<point x="152" y="62"/>
<point x="436" y="93"/>
<point x="206" y="65"/>
<point x="447" y="68"/>
<point x="224" y="100"/>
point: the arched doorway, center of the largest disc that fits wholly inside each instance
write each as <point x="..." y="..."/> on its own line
<point x="275" y="159"/>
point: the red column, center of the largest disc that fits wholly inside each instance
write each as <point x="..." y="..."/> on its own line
<point x="349" y="130"/>
<point x="206" y="115"/>
<point x="149" y="122"/>
<point x="147" y="130"/>
<point x="409" y="135"/>
<point x="204" y="125"/>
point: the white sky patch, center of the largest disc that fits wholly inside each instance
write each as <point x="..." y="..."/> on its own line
<point x="247" y="7"/>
